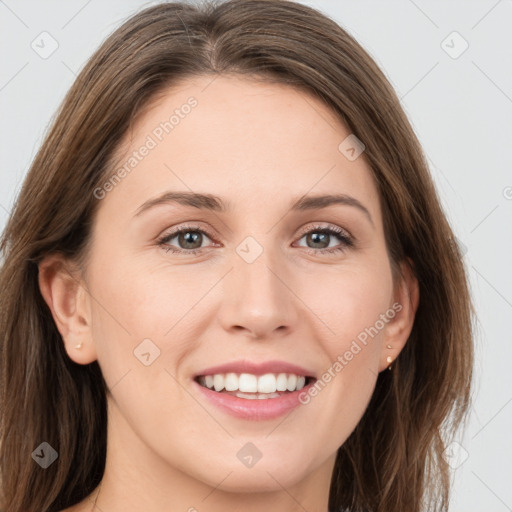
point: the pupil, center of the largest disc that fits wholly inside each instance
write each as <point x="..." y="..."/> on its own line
<point x="316" y="236"/>
<point x="189" y="237"/>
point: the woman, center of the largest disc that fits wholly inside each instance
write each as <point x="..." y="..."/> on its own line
<point x="228" y="281"/>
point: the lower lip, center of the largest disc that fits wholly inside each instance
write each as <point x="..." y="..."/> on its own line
<point x="256" y="409"/>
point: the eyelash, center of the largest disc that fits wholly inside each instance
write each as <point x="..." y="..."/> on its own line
<point x="346" y="239"/>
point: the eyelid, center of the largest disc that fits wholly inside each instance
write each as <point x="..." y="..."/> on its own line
<point x="302" y="231"/>
<point x="173" y="232"/>
<point x="348" y="240"/>
<point x="308" y="228"/>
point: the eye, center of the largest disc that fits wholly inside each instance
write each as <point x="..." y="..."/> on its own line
<point x="189" y="238"/>
<point x="321" y="237"/>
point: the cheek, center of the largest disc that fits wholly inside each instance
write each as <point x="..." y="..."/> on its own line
<point x="353" y="306"/>
<point x="170" y="305"/>
<point x="341" y="303"/>
<point x="350" y="303"/>
<point x="142" y="299"/>
<point x="146" y="309"/>
<point x="139" y="318"/>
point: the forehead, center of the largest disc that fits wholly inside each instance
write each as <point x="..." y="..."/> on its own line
<point x="239" y="139"/>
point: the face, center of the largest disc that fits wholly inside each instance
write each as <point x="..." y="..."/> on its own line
<point x="252" y="277"/>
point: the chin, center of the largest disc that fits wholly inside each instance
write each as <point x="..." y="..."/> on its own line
<point x="257" y="480"/>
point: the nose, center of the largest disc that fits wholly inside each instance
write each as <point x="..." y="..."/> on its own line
<point x="258" y="298"/>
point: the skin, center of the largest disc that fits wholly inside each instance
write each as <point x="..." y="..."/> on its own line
<point x="257" y="146"/>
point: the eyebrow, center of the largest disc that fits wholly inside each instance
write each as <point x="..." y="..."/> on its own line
<point x="216" y="204"/>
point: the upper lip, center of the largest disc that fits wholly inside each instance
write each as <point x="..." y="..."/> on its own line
<point x="245" y="366"/>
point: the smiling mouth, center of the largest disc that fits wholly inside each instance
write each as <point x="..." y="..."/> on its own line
<point x="253" y="387"/>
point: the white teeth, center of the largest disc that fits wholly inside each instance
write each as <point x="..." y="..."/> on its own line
<point x="292" y="382"/>
<point x="282" y="382"/>
<point x="248" y="396"/>
<point x="218" y="382"/>
<point x="249" y="383"/>
<point x="267" y="383"/>
<point x="231" y="382"/>
<point x="255" y="396"/>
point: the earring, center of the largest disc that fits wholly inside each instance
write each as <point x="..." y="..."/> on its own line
<point x="389" y="358"/>
<point x="79" y="346"/>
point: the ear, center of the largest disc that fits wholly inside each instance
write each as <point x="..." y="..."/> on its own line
<point x="69" y="303"/>
<point x="405" y="305"/>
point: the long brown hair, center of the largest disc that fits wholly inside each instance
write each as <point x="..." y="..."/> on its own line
<point x="393" y="460"/>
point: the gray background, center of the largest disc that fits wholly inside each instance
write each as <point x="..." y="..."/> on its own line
<point x="459" y="103"/>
